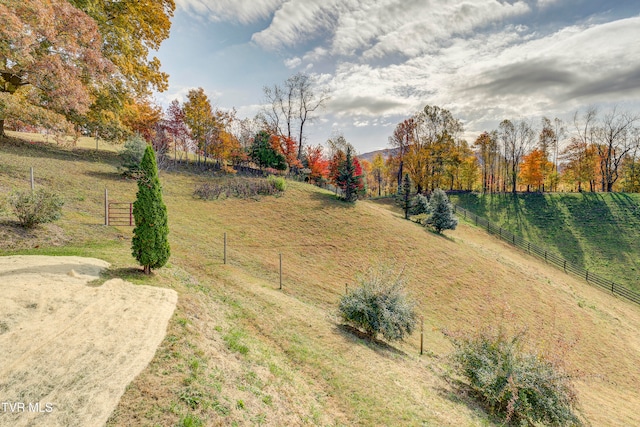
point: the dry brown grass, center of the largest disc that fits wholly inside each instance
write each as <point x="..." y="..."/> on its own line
<point x="300" y="367"/>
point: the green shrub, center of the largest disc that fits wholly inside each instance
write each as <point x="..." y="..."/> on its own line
<point x="524" y="388"/>
<point x="36" y="207"/>
<point x="380" y="305"/>
<point x="278" y="182"/>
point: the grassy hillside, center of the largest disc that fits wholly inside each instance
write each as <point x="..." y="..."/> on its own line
<point x="599" y="232"/>
<point x="238" y="351"/>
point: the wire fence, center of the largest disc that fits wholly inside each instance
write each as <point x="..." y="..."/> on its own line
<point x="548" y="256"/>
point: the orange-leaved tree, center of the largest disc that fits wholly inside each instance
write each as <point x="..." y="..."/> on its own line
<point x="534" y="169"/>
<point x="317" y="163"/>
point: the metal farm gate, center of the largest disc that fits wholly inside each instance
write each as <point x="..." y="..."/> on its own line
<point x="120" y="213"/>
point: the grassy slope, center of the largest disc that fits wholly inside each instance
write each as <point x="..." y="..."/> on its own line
<point x="597" y="231"/>
<point x="238" y="350"/>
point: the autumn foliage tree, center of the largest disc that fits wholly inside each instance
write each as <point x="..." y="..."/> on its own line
<point x="84" y="60"/>
<point x="130" y="30"/>
<point x="534" y="169"/>
<point x="176" y="126"/>
<point x="317" y="163"/>
<point x="50" y="51"/>
<point x="378" y="171"/>
<point x="142" y="117"/>
<point x="288" y="148"/>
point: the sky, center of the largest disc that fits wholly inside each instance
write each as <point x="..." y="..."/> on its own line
<point x="383" y="60"/>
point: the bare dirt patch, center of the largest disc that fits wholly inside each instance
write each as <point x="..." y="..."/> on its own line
<point x="67" y="349"/>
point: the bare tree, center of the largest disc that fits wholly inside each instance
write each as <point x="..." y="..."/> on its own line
<point x="614" y="140"/>
<point x="292" y="106"/>
<point x="517" y="139"/>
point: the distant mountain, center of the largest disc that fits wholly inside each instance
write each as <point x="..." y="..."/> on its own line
<point x="370" y="155"/>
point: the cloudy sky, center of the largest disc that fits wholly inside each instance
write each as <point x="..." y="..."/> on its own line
<point x="383" y="60"/>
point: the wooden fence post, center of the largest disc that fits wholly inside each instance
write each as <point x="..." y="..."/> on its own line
<point x="106" y="207"/>
<point x="280" y="270"/>
<point x="33" y="184"/>
<point x="421" y="333"/>
<point x="225" y="248"/>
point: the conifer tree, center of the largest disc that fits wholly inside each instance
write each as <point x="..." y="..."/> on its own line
<point x="442" y="217"/>
<point x="150" y="245"/>
<point x="405" y="195"/>
<point x="347" y="180"/>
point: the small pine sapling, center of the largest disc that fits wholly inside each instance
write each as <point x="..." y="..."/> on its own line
<point x="442" y="217"/>
<point x="420" y="205"/>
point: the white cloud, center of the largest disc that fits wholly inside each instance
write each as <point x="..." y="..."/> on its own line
<point x="243" y="11"/>
<point x="292" y="63"/>
<point x="485" y="60"/>
<point x="295" y="21"/>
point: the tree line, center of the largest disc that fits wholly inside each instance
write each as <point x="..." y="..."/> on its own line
<point x="596" y="152"/>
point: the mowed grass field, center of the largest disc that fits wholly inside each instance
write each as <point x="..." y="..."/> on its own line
<point x="240" y="351"/>
<point x="597" y="231"/>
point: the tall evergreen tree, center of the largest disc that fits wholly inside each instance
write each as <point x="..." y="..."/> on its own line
<point x="347" y="180"/>
<point x="150" y="245"/>
<point x="442" y="217"/>
<point x="405" y="195"/>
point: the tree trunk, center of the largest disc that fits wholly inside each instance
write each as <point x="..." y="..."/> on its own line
<point x="2" y="128"/>
<point x="147" y="269"/>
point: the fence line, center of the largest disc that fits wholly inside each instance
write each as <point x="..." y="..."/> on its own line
<point x="548" y="256"/>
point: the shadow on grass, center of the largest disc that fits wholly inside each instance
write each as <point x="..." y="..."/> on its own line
<point x="330" y="200"/>
<point x="128" y="274"/>
<point x="357" y="336"/>
<point x="474" y="202"/>
<point x="545" y="215"/>
<point x="461" y="394"/>
<point x="52" y="151"/>
<point x="109" y="176"/>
